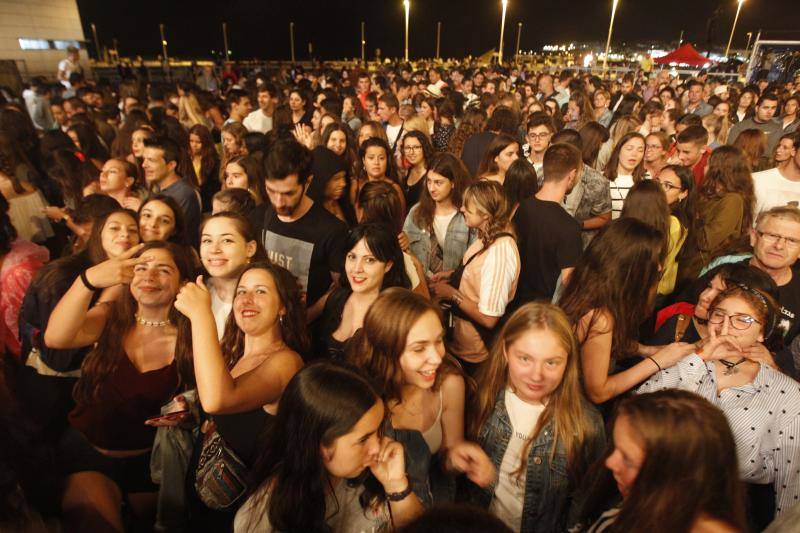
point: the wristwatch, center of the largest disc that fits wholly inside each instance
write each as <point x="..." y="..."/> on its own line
<point x="399" y="496"/>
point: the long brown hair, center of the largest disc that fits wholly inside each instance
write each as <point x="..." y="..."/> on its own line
<point x="566" y="409"/>
<point x="499" y="142"/>
<point x="613" y="161"/>
<point x="728" y="172"/>
<point x="618" y="272"/>
<point x="209" y="158"/>
<point x="452" y="168"/>
<point x="646" y="201"/>
<point x="292" y="326"/>
<point x="104" y="358"/>
<point x="753" y="144"/>
<point x="690" y="465"/>
<point x="377" y="347"/>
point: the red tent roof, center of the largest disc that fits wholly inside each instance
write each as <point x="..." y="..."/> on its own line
<point x="686" y="55"/>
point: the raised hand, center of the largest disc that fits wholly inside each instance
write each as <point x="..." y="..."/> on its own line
<point x="470" y="459"/>
<point x="116" y="270"/>
<point x="718" y="346"/>
<point x="389" y="467"/>
<point x="193" y="298"/>
<point x="760" y="354"/>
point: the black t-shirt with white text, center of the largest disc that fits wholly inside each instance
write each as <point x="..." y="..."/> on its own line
<point x="310" y="248"/>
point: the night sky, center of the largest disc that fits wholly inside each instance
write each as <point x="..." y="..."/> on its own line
<point x="260" y="28"/>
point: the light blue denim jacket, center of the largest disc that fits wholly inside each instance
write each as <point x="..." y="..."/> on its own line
<point x="456" y="242"/>
<point x="548" y="494"/>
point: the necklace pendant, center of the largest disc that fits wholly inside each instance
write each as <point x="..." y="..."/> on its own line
<point x="730" y="371"/>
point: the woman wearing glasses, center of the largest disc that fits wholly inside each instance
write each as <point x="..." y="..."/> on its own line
<point x="759" y="401"/>
<point x="417" y="157"/>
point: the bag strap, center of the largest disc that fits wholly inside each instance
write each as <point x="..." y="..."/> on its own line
<point x="681" y="326"/>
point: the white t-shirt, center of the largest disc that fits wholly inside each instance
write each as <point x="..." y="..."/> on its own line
<point x="345" y="513"/>
<point x="509" y="494"/>
<point x="619" y="191"/>
<point x="258" y="121"/>
<point x="772" y="190"/>
<point x="392" y="132"/>
<point x="221" y="310"/>
<point x="440" y="225"/>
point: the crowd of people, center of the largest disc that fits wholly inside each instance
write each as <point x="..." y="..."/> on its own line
<point x="417" y="298"/>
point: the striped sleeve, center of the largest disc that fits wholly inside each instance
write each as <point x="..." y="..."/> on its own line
<point x="688" y="375"/>
<point x="499" y="272"/>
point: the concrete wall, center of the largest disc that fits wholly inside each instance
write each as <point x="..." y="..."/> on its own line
<point x="39" y="19"/>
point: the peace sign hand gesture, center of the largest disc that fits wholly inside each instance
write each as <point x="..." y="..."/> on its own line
<point x="117" y="269"/>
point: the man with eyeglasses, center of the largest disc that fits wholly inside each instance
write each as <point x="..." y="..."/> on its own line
<point x="540" y="130"/>
<point x="776" y="247"/>
<point x="779" y="185"/>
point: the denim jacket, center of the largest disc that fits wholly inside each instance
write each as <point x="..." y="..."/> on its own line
<point x="456" y="242"/>
<point x="548" y="493"/>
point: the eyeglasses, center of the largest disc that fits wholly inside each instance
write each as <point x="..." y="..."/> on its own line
<point x="539" y="136"/>
<point x="667" y="186"/>
<point x="412" y="148"/>
<point x="773" y="238"/>
<point x="738" y="321"/>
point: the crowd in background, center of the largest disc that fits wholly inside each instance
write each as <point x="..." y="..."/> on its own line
<point x="413" y="298"/>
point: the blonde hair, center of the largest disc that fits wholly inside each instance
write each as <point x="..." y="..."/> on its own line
<point x="417" y="123"/>
<point x="566" y="408"/>
<point x="490" y="200"/>
<point x="189" y="111"/>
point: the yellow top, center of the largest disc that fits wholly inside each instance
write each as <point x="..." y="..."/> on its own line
<point x="677" y="235"/>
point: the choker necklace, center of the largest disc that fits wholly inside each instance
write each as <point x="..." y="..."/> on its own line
<point x="730" y="368"/>
<point x="153" y="323"/>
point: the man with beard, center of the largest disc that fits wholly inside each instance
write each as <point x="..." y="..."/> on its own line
<point x="299" y="234"/>
<point x="549" y="239"/>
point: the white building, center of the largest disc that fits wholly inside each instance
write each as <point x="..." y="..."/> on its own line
<point x="35" y="34"/>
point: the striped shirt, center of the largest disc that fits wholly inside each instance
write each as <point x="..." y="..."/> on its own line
<point x="764" y="416"/>
<point x="619" y="188"/>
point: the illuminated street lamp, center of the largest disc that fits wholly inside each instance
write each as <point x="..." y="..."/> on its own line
<point x="502" y="30"/>
<point x="407" y="5"/>
<point x="733" y="29"/>
<point x="610" y="28"/>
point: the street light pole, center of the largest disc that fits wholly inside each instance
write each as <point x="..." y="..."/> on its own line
<point x="502" y="30"/>
<point x="749" y="36"/>
<point x="225" y="40"/>
<point x="363" y="44"/>
<point x="96" y="41"/>
<point x="407" y="5"/>
<point x="438" y="37"/>
<point x="291" y="39"/>
<point x="164" y="48"/>
<point x="733" y="29"/>
<point x="610" y="28"/>
<point x="519" y="35"/>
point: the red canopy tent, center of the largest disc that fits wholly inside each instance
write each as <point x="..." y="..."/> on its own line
<point x="685" y="55"/>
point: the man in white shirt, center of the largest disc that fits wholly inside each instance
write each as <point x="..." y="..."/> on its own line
<point x="780" y="185"/>
<point x="260" y="120"/>
<point x="387" y="111"/>
<point x="69" y="65"/>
